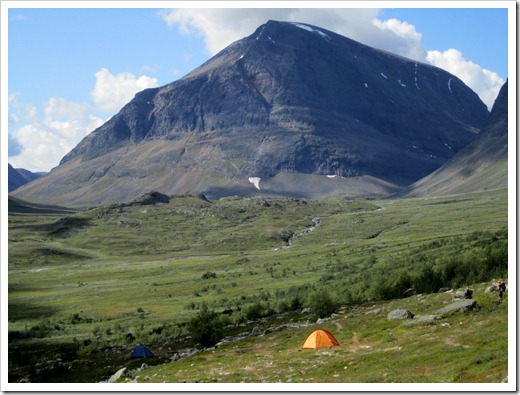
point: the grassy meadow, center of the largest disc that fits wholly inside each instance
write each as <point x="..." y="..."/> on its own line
<point x="85" y="287"/>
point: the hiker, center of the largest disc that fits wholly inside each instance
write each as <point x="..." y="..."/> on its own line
<point x="501" y="290"/>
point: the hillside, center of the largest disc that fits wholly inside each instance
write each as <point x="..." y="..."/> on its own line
<point x="85" y="288"/>
<point x="304" y="111"/>
<point x="19" y="177"/>
<point x="479" y="166"/>
<point x="459" y="347"/>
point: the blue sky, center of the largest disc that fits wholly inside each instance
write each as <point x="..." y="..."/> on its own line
<point x="70" y="69"/>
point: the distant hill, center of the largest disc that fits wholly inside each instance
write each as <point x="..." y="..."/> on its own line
<point x="22" y="207"/>
<point x="292" y="110"/>
<point x="19" y="177"/>
<point x="479" y="166"/>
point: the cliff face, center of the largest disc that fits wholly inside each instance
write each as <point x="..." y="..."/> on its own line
<point x="291" y="104"/>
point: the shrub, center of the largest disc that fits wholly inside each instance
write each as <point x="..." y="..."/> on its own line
<point x="208" y="275"/>
<point x="322" y="304"/>
<point x="206" y="326"/>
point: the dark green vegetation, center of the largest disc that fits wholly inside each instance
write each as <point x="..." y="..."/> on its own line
<point x="85" y="287"/>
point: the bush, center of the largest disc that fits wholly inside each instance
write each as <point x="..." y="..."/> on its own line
<point x="206" y="326"/>
<point x="258" y="310"/>
<point x="208" y="275"/>
<point x="322" y="304"/>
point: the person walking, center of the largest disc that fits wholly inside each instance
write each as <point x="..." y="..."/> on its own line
<point x="501" y="290"/>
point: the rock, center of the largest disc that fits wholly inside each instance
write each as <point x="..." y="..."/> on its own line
<point x="256" y="331"/>
<point x="444" y="289"/>
<point x="399" y="314"/>
<point x="306" y="310"/>
<point x="466" y="294"/>
<point x="409" y="292"/>
<point x="461" y="305"/>
<point x="120" y="373"/>
<point x="491" y="288"/>
<point x="183" y="354"/>
<point x="423" y="320"/>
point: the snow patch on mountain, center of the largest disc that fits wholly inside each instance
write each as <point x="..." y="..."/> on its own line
<point x="313" y="30"/>
<point x="255" y="181"/>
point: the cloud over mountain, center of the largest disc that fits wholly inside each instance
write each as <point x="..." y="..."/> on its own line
<point x="111" y="92"/>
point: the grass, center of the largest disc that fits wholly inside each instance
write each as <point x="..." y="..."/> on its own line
<point x="87" y="286"/>
<point x="459" y="348"/>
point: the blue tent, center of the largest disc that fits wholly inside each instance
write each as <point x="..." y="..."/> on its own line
<point x="141" y="352"/>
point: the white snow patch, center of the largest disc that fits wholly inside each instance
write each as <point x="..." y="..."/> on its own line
<point x="400" y="83"/>
<point x="384" y="76"/>
<point x="270" y="39"/>
<point x="447" y="146"/>
<point x="414" y="146"/>
<point x="332" y="176"/>
<point x="449" y="85"/>
<point x="366" y="85"/>
<point x="312" y="30"/>
<point x="255" y="181"/>
<point x="242" y="57"/>
<point x="261" y="31"/>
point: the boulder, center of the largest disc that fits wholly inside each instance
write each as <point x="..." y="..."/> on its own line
<point x="256" y="331"/>
<point x="423" y="320"/>
<point x="461" y="305"/>
<point x="117" y="375"/>
<point x="491" y="288"/>
<point x="399" y="314"/>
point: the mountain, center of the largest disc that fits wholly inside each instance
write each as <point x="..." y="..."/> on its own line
<point x="19" y="177"/>
<point x="292" y="109"/>
<point x="480" y="165"/>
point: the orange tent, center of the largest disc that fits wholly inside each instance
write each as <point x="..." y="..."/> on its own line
<point x="320" y="339"/>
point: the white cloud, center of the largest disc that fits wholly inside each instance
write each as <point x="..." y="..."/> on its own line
<point x="485" y="83"/>
<point x="44" y="141"/>
<point x="220" y="27"/>
<point x="41" y="141"/>
<point x="111" y="92"/>
<point x="401" y="38"/>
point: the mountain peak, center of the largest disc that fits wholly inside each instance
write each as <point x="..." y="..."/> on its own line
<point x="302" y="110"/>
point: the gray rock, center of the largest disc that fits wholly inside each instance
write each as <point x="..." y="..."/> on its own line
<point x="256" y="331"/>
<point x="399" y="314"/>
<point x="459" y="295"/>
<point x="461" y="305"/>
<point x="120" y="373"/>
<point x="491" y="288"/>
<point x="423" y="320"/>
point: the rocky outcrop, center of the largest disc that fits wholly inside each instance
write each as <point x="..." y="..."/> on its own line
<point x="461" y="305"/>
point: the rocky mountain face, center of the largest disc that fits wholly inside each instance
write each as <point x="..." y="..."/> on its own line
<point x="480" y="165"/>
<point x="19" y="177"/>
<point x="292" y="109"/>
